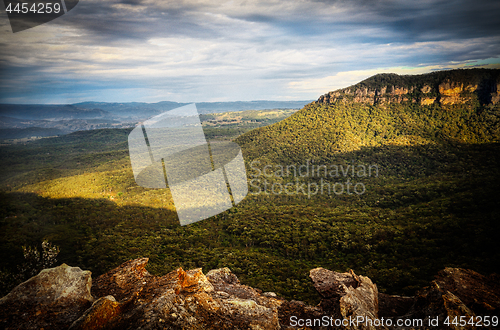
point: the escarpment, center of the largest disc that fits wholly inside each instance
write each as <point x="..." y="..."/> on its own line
<point x="443" y="88"/>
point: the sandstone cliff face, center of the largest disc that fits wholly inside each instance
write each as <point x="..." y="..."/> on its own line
<point x="414" y="89"/>
<point x="128" y="297"/>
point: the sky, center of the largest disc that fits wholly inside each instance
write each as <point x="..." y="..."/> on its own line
<point x="207" y="51"/>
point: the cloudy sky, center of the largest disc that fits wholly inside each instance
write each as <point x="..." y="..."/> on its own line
<point x="193" y="51"/>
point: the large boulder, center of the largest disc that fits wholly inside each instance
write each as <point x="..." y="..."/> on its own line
<point x="454" y="293"/>
<point x="123" y="281"/>
<point x="53" y="299"/>
<point x="347" y="296"/>
<point x="104" y="311"/>
<point x="179" y="300"/>
<point x="478" y="292"/>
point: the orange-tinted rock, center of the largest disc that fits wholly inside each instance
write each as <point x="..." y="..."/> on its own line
<point x="100" y="315"/>
<point x="451" y="92"/>
<point x="426" y="89"/>
<point x="360" y="302"/>
<point x="179" y="300"/>
<point x="122" y="281"/>
<point x="193" y="281"/>
<point x="224" y="280"/>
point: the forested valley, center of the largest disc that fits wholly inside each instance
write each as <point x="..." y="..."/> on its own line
<point x="432" y="204"/>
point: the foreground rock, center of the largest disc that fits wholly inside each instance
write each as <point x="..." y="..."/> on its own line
<point x="52" y="300"/>
<point x="346" y="295"/>
<point x="453" y="294"/>
<point x="458" y="292"/>
<point x="392" y="306"/>
<point x="129" y="297"/>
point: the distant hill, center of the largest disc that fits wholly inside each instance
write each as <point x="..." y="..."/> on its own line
<point x="14" y="128"/>
<point x="146" y="110"/>
<point x="386" y="109"/>
<point x="217" y="107"/>
<point x="131" y="110"/>
<point x="94" y="115"/>
<point x="31" y="132"/>
<point x="50" y="112"/>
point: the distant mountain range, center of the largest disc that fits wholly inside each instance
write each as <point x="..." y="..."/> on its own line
<point x="62" y="119"/>
<point x="146" y="110"/>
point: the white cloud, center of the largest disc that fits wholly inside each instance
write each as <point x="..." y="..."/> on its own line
<point x="233" y="50"/>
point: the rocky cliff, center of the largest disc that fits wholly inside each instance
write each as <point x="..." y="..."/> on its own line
<point x="129" y="297"/>
<point x="443" y="88"/>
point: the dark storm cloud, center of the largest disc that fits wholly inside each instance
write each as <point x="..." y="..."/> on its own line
<point x="441" y="20"/>
<point x="113" y="21"/>
<point x="336" y="21"/>
<point x="210" y="48"/>
<point x="408" y="20"/>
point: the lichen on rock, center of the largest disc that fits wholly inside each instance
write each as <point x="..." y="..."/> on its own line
<point x="53" y="299"/>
